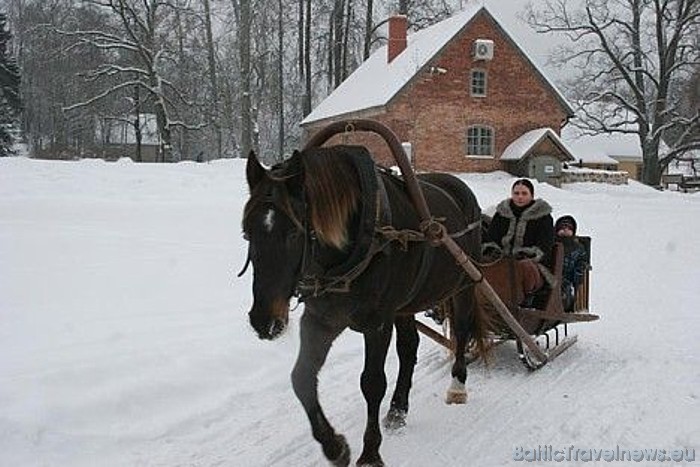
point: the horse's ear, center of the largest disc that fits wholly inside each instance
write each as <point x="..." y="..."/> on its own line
<point x="254" y="171"/>
<point x="294" y="162"/>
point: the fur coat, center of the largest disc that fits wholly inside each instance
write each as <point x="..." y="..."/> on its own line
<point x="522" y="232"/>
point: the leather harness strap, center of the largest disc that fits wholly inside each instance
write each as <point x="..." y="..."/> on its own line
<point x="316" y="282"/>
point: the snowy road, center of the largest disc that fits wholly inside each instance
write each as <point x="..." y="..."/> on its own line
<point x="125" y="342"/>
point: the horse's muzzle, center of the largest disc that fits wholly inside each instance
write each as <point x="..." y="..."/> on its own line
<point x="270" y="323"/>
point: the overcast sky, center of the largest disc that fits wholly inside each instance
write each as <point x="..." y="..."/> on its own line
<point x="508" y="13"/>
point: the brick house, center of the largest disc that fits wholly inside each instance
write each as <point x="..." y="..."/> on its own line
<point x="461" y="93"/>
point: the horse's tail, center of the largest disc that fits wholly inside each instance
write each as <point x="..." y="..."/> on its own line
<point x="482" y="326"/>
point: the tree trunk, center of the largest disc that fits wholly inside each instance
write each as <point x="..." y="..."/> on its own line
<point x="337" y="35"/>
<point x="307" y="60"/>
<point x="330" y="47"/>
<point x="300" y="42"/>
<point x="369" y="15"/>
<point x="280" y="79"/>
<point x="211" y="57"/>
<point x="651" y="170"/>
<point x="137" y="124"/>
<point x="244" y="55"/>
<point x="165" y="135"/>
<point x="346" y="36"/>
<point x="183" y="137"/>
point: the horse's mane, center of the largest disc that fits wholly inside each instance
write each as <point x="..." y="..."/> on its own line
<point x="333" y="191"/>
<point x="331" y="184"/>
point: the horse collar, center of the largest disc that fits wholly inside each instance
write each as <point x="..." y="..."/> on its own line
<point x="315" y="279"/>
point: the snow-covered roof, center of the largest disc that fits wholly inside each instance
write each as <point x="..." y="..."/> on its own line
<point x="375" y="82"/>
<point x="605" y="148"/>
<point x="522" y="146"/>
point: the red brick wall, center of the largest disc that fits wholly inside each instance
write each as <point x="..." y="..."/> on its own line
<point x="434" y="110"/>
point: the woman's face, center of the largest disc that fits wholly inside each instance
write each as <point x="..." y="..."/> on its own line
<point x="521" y="196"/>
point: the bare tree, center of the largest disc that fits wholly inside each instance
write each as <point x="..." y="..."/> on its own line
<point x="226" y="65"/>
<point x="369" y="15"/>
<point x="423" y="13"/>
<point x="48" y="67"/>
<point x="307" y="61"/>
<point x="280" y="75"/>
<point x="629" y="56"/>
<point x="244" y="19"/>
<point x="10" y="104"/>
<point x="141" y="51"/>
<point x="211" y="61"/>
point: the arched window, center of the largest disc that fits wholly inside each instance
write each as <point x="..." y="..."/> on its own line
<point x="479" y="141"/>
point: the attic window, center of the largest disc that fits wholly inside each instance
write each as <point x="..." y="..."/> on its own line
<point x="479" y="141"/>
<point x="478" y="83"/>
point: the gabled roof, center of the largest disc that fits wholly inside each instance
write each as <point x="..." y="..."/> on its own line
<point x="374" y="83"/>
<point x="522" y="146"/>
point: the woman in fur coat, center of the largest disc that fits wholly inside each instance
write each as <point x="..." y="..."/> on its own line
<point x="523" y="228"/>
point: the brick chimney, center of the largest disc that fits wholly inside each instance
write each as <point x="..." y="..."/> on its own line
<point x="398" y="25"/>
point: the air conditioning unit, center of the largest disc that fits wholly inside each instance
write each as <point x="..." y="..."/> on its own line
<point x="483" y="49"/>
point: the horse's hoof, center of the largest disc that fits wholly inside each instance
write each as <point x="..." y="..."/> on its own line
<point x="342" y="459"/>
<point x="395" y="419"/>
<point x="456" y="397"/>
<point x="369" y="463"/>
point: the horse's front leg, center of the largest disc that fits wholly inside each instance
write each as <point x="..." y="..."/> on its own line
<point x="406" y="347"/>
<point x="316" y="337"/>
<point x="373" y="383"/>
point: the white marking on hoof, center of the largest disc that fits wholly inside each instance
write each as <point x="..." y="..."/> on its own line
<point x="269" y="220"/>
<point x="456" y="393"/>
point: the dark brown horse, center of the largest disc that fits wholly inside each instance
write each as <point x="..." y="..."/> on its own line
<point x="331" y="227"/>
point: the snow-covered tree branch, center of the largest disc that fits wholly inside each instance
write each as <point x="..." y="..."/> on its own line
<point x="631" y="57"/>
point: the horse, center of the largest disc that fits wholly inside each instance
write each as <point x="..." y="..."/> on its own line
<point x="331" y="227"/>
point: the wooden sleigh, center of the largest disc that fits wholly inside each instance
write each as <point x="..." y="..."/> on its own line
<point x="545" y="319"/>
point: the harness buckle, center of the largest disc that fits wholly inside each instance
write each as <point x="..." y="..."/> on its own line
<point x="434" y="231"/>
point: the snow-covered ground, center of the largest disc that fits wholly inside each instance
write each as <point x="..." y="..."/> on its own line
<point x="124" y="338"/>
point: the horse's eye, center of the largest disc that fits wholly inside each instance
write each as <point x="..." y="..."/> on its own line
<point x="294" y="236"/>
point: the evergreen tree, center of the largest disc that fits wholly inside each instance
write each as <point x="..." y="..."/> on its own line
<point x="10" y="106"/>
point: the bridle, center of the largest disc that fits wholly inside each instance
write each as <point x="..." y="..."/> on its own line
<point x="301" y="226"/>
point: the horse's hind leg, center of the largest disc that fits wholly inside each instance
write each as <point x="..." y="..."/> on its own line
<point x="373" y="384"/>
<point x="463" y="315"/>
<point x="406" y="347"/>
<point x="315" y="341"/>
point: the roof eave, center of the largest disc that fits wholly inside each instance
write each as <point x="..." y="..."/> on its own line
<point x="362" y="113"/>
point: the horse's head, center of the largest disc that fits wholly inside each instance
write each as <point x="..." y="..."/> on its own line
<point x="273" y="224"/>
<point x="317" y="190"/>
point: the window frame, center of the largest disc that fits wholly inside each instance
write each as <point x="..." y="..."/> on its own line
<point x="485" y="76"/>
<point x="479" y="145"/>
